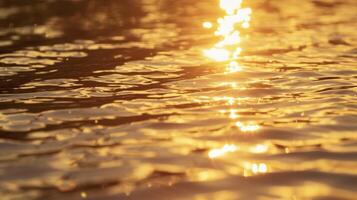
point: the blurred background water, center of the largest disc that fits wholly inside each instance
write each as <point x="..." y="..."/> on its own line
<point x="115" y="100"/>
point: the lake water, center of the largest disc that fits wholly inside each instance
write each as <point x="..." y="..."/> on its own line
<point x="116" y="100"/>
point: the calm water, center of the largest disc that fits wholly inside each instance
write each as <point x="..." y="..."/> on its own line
<point x="115" y="100"/>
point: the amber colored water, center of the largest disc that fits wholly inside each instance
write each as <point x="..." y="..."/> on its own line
<point x="114" y="100"/>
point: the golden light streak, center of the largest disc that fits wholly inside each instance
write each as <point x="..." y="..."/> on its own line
<point x="230" y="5"/>
<point x="260" y="148"/>
<point x="255" y="168"/>
<point x="229" y="84"/>
<point x="247" y="127"/>
<point x="233" y="67"/>
<point x="217" y="54"/>
<point x="228" y="148"/>
<point x="227" y="48"/>
<point x="233" y="114"/>
<point x="259" y="168"/>
<point x="207" y="25"/>
<point x="229" y="100"/>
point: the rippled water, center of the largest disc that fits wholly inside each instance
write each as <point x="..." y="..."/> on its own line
<point x="114" y="100"/>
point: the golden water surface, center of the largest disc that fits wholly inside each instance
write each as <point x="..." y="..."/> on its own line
<point x="178" y="99"/>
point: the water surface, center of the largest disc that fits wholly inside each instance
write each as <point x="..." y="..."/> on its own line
<point x="115" y="100"/>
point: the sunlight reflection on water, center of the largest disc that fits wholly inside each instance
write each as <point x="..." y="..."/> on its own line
<point x="99" y="101"/>
<point x="228" y="49"/>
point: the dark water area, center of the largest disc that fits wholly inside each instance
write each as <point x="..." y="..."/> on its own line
<point x="114" y="99"/>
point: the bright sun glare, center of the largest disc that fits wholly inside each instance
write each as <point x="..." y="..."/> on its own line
<point x="227" y="49"/>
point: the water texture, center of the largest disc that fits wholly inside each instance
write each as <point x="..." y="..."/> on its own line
<point x="115" y="100"/>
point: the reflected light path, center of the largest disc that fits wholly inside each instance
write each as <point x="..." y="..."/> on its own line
<point x="133" y="99"/>
<point x="227" y="49"/>
<point x="259" y="148"/>
<point x="247" y="127"/>
<point x="251" y="169"/>
<point x="228" y="148"/>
